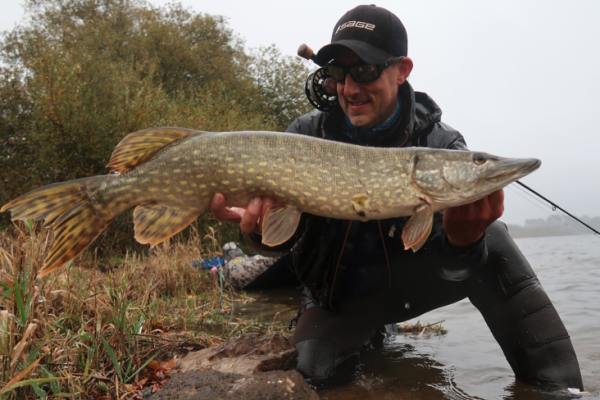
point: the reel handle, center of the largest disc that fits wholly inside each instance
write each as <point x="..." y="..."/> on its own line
<point x="307" y="53"/>
<point x="320" y="89"/>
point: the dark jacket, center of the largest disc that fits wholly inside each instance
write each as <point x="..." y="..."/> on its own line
<point x="322" y="248"/>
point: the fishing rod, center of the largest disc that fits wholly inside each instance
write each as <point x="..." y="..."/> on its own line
<point x="555" y="206"/>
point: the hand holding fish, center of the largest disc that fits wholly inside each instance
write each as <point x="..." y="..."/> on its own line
<point x="249" y="218"/>
<point x="464" y="224"/>
<point x="467" y="223"/>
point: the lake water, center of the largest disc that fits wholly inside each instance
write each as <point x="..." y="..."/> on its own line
<point x="467" y="363"/>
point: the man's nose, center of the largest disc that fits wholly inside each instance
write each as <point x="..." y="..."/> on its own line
<point x="350" y="86"/>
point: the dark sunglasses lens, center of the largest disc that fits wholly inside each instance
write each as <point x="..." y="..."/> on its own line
<point x="337" y="73"/>
<point x="364" y="73"/>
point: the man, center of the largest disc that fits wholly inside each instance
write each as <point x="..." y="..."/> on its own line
<point x="357" y="277"/>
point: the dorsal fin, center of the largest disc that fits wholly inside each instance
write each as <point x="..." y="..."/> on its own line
<point x="138" y="147"/>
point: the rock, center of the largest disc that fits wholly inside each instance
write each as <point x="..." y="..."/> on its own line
<point x="247" y="367"/>
<point x="209" y="385"/>
<point x="246" y="354"/>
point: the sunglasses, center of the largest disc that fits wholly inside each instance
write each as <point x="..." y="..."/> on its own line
<point x="363" y="73"/>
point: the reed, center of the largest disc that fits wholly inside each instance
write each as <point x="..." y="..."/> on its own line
<point x="105" y="329"/>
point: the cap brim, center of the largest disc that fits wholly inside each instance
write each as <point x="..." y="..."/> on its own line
<point x="366" y="52"/>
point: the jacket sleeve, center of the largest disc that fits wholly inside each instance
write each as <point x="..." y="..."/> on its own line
<point x="442" y="136"/>
<point x="459" y="264"/>
<point x="308" y="124"/>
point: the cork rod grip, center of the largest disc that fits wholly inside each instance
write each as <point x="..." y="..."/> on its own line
<point x="306" y="52"/>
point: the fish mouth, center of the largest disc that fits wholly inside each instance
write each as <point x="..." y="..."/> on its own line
<point x="510" y="169"/>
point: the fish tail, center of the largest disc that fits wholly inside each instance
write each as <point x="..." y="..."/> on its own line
<point x="67" y="207"/>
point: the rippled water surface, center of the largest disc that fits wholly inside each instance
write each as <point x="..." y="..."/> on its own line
<point x="467" y="363"/>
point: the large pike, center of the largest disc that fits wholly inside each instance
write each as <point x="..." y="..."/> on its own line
<point x="171" y="174"/>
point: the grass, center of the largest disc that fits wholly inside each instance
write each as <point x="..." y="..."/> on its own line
<point x="419" y="329"/>
<point x="86" y="334"/>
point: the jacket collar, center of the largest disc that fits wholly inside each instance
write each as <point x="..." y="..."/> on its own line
<point x="418" y="112"/>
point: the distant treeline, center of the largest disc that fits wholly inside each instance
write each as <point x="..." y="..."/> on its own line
<point x="554" y="225"/>
<point x="76" y="76"/>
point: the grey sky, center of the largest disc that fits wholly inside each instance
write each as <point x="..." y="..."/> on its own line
<point x="517" y="78"/>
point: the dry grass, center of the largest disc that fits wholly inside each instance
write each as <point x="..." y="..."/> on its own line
<point x="419" y="329"/>
<point x="83" y="333"/>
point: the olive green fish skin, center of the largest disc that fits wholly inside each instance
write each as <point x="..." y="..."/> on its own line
<point x="171" y="175"/>
<point x="320" y="177"/>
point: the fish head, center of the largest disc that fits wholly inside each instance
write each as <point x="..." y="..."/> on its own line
<point x="448" y="178"/>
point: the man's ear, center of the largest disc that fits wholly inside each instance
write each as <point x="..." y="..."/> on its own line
<point x="405" y="66"/>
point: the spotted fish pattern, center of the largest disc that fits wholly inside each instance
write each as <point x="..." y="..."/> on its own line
<point x="171" y="174"/>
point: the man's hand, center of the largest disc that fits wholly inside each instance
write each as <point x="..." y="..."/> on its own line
<point x="249" y="219"/>
<point x="466" y="224"/>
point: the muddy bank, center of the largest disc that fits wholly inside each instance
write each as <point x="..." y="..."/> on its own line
<point x="249" y="367"/>
<point x="209" y="385"/>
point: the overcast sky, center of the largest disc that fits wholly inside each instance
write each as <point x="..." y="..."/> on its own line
<point x="516" y="78"/>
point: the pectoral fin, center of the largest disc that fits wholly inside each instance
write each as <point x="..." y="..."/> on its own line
<point x="155" y="223"/>
<point x="418" y="227"/>
<point x="279" y="224"/>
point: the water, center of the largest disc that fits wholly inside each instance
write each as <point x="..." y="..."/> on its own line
<point x="467" y="363"/>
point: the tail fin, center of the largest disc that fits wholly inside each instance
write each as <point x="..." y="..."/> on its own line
<point x="77" y="221"/>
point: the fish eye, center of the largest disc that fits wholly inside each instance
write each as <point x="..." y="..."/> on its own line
<point x="479" y="158"/>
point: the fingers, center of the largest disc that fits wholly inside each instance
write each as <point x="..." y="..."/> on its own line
<point x="222" y="213"/>
<point x="249" y="219"/>
<point x="465" y="224"/>
<point x="496" y="201"/>
<point x="257" y="208"/>
<point x="497" y="196"/>
<point x="267" y="203"/>
<point x="217" y="202"/>
<point x="253" y="212"/>
<point x="489" y="208"/>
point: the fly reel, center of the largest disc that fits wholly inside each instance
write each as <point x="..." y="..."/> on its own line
<point x="321" y="90"/>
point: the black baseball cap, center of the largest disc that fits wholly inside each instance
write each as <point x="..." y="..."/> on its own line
<point x="372" y="32"/>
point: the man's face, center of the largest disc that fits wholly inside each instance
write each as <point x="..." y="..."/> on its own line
<point x="369" y="104"/>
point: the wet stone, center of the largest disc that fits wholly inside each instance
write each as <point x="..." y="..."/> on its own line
<point x="246" y="354"/>
<point x="247" y="367"/>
